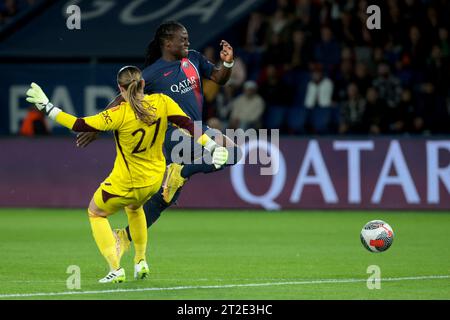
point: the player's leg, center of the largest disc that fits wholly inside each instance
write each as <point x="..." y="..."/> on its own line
<point x="138" y="230"/>
<point x="234" y="152"/>
<point x="152" y="209"/>
<point x="180" y="151"/>
<point x="98" y="210"/>
<point x="138" y="226"/>
<point x="193" y="158"/>
<point x="205" y="166"/>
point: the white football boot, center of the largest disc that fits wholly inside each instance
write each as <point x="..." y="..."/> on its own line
<point x="116" y="276"/>
<point x="141" y="270"/>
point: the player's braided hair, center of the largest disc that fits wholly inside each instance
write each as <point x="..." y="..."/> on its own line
<point x="129" y="78"/>
<point x="165" y="31"/>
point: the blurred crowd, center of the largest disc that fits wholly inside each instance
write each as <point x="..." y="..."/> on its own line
<point x="313" y="67"/>
<point x="10" y="8"/>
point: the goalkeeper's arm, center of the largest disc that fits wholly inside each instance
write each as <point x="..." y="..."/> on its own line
<point x="37" y="96"/>
<point x="85" y="138"/>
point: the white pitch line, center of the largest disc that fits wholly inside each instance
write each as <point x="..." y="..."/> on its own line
<point x="268" y="284"/>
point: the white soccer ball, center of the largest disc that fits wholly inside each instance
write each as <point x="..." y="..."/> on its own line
<point x="377" y="236"/>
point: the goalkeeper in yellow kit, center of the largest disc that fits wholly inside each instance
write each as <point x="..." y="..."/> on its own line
<point x="139" y="125"/>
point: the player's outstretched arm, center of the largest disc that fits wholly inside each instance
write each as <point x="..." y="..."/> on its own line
<point x="85" y="138"/>
<point x="99" y="122"/>
<point x="222" y="74"/>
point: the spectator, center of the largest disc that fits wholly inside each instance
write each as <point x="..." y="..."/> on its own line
<point x="414" y="122"/>
<point x="327" y="51"/>
<point x="348" y="30"/>
<point x="362" y="78"/>
<point x="319" y="93"/>
<point x="277" y="94"/>
<point x="238" y="74"/>
<point x="415" y="49"/>
<point x="352" y="112"/>
<point x="373" y="114"/>
<point x="387" y="86"/>
<point x="299" y="51"/>
<point x="256" y="33"/>
<point x="278" y="24"/>
<point x="276" y="52"/>
<point x="247" y="109"/>
<point x="34" y="124"/>
<point x="342" y="80"/>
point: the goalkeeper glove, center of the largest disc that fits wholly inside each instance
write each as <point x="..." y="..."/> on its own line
<point x="219" y="154"/>
<point x="37" y="96"/>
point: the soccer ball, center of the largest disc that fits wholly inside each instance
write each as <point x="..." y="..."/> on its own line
<point x="377" y="236"/>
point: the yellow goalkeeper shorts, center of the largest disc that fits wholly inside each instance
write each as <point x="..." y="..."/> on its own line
<point x="110" y="199"/>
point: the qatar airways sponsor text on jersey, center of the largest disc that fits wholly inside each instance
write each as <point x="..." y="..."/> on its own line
<point x="185" y="85"/>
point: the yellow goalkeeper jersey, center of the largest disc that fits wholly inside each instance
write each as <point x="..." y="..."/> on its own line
<point x="139" y="160"/>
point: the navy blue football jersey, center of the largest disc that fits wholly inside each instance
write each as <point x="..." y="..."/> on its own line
<point x="180" y="80"/>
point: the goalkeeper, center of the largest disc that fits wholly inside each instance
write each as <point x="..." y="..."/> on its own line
<point x="139" y="124"/>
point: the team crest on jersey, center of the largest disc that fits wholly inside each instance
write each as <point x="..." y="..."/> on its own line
<point x="185" y="64"/>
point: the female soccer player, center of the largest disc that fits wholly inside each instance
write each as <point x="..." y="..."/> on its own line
<point x="139" y="124"/>
<point x="176" y="71"/>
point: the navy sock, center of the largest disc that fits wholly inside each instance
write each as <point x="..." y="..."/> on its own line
<point x="191" y="169"/>
<point x="235" y="154"/>
<point x="154" y="207"/>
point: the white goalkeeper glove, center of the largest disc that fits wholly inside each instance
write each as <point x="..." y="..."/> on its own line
<point x="219" y="154"/>
<point x="37" y="96"/>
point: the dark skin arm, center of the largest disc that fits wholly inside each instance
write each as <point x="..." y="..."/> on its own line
<point x="222" y="74"/>
<point x="85" y="138"/>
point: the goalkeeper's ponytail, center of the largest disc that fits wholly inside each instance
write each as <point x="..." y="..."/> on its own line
<point x="130" y="78"/>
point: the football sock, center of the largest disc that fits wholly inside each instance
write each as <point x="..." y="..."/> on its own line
<point x="191" y="169"/>
<point x="138" y="230"/>
<point x="104" y="238"/>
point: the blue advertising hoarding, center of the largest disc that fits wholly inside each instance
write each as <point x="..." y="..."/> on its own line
<point x="80" y="89"/>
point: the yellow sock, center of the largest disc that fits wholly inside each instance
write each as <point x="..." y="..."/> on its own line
<point x="105" y="239"/>
<point x="138" y="230"/>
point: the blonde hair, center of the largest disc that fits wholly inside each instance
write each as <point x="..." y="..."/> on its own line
<point x="129" y="78"/>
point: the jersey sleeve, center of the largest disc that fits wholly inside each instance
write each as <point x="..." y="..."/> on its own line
<point x="205" y="66"/>
<point x="106" y="120"/>
<point x="180" y="119"/>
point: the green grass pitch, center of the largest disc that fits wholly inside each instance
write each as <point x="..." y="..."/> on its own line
<point x="229" y="255"/>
